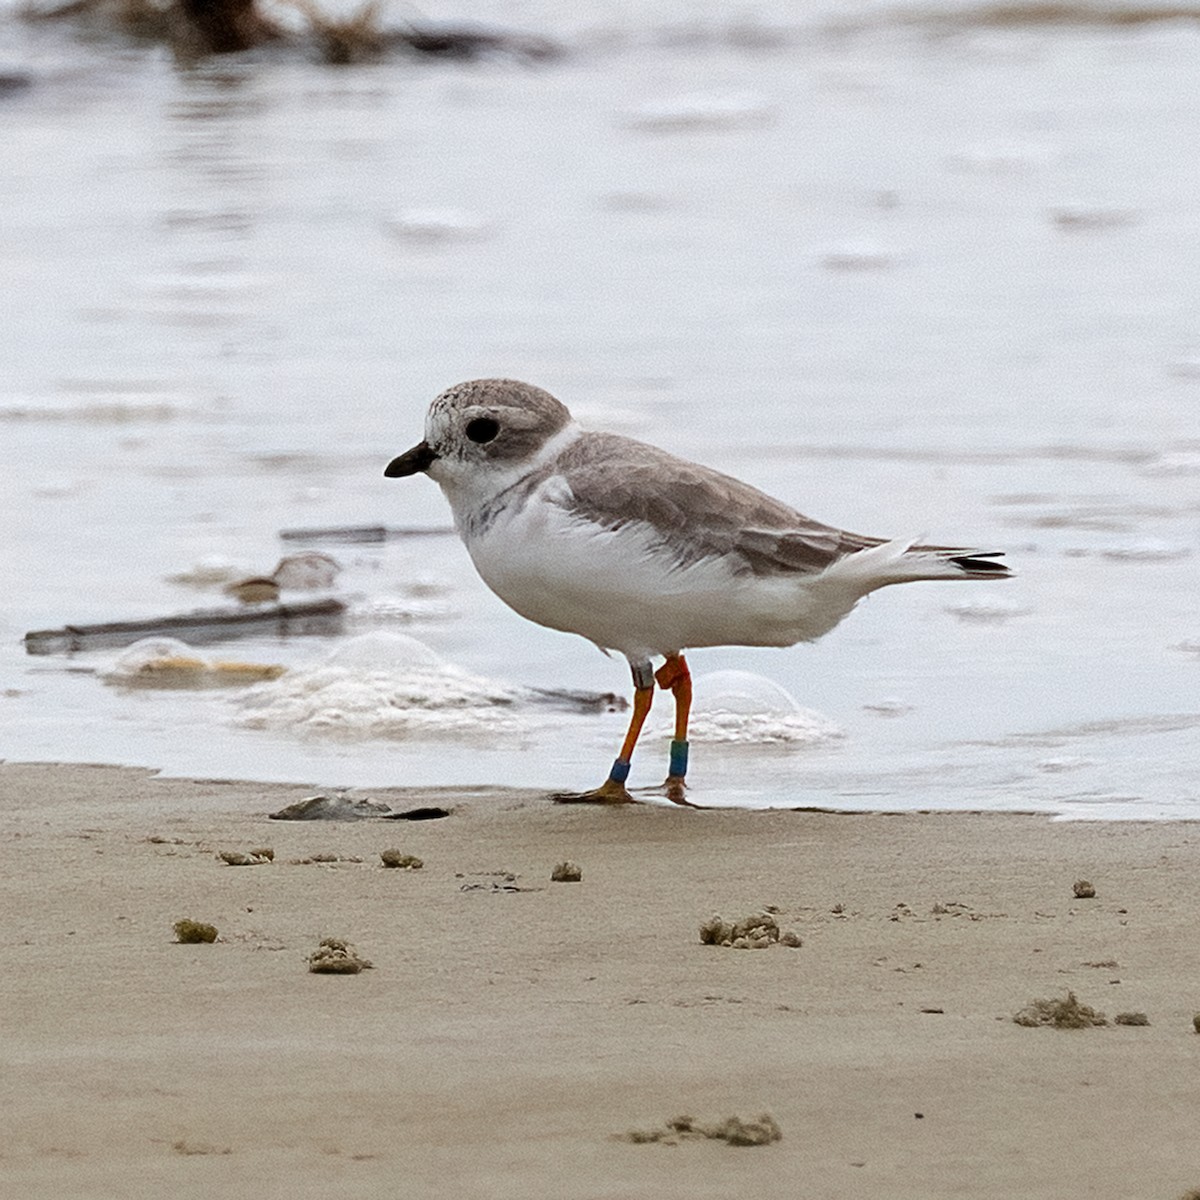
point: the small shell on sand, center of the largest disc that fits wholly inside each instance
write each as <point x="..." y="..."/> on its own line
<point x="251" y="858"/>
<point x="396" y="858"/>
<point x="194" y="932"/>
<point x="258" y="589"/>
<point x="331" y="808"/>
<point x="336" y="957"/>
<point x="566" y="872"/>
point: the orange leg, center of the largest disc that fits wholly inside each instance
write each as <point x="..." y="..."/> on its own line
<point x="613" y="790"/>
<point x="642" y="699"/>
<point x="674" y="674"/>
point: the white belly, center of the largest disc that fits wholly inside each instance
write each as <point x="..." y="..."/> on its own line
<point x="622" y="591"/>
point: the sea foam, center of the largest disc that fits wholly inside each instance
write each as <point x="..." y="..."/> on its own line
<point x="382" y="685"/>
<point x="742" y="707"/>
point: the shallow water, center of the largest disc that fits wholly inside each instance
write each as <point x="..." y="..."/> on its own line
<point x="916" y="282"/>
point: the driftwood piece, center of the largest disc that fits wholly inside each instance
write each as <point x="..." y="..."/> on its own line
<point x="197" y="628"/>
<point x="578" y="700"/>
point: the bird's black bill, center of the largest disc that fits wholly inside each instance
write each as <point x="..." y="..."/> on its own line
<point x="419" y="458"/>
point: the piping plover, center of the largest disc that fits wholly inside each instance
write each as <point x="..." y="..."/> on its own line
<point x="644" y="553"/>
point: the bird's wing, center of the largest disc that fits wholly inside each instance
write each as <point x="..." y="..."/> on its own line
<point x="696" y="512"/>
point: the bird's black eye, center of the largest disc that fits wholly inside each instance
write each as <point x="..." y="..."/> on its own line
<point x="482" y="429"/>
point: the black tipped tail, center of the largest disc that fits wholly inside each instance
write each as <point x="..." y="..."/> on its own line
<point x="978" y="564"/>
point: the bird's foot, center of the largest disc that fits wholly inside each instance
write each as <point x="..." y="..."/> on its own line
<point x="609" y="792"/>
<point x="675" y="790"/>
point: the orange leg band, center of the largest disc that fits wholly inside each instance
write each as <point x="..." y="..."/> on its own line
<point x="674" y="674"/>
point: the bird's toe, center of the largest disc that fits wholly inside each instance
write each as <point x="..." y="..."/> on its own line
<point x="609" y="792"/>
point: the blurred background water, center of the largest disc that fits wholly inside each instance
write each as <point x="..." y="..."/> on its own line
<point x="917" y="270"/>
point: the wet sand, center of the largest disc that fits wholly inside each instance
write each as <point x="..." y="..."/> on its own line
<point x="503" y="1037"/>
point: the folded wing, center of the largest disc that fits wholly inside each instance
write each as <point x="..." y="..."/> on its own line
<point x="699" y="513"/>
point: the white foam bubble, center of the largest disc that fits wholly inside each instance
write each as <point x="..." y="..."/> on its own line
<point x="149" y="652"/>
<point x="55" y="487"/>
<point x="1002" y="158"/>
<point x="205" y="285"/>
<point x="859" y="254"/>
<point x="888" y="706"/>
<point x="1092" y="216"/>
<point x="440" y="226"/>
<point x="383" y="685"/>
<point x="1147" y="550"/>
<point x="986" y="610"/>
<point x="1179" y="463"/>
<point x="382" y="612"/>
<point x="1060" y="764"/>
<point x="633" y="201"/>
<point x="1187" y="367"/>
<point x="101" y="407"/>
<point x="309" y="570"/>
<point x="742" y="707"/>
<point x="701" y="110"/>
<point x="311" y="495"/>
<point x="382" y="651"/>
<point x="427" y="586"/>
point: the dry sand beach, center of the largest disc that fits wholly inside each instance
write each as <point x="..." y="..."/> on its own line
<point x="505" y="1036"/>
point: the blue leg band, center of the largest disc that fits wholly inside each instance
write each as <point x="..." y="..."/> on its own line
<point x="679" y="757"/>
<point x="620" y="771"/>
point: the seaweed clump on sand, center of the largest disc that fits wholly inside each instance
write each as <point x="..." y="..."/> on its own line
<point x="733" y="1131"/>
<point x="342" y="40"/>
<point x="1060" y="1014"/>
<point x="1131" y="1018"/>
<point x="755" y="932"/>
<point x="400" y="860"/>
<point x="194" y="932"/>
<point x="337" y="957"/>
<point x="189" y="27"/>
<point x="197" y="28"/>
<point x="361" y="36"/>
